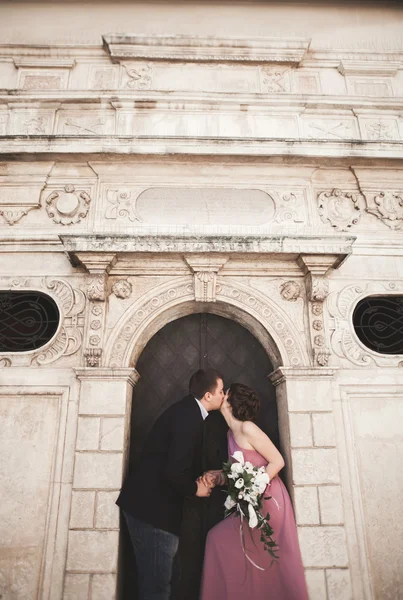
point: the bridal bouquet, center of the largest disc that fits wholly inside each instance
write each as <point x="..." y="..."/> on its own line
<point x="246" y="486"/>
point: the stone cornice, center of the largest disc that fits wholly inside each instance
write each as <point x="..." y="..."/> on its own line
<point x="82" y="247"/>
<point x="207" y="146"/>
<point x="205" y="49"/>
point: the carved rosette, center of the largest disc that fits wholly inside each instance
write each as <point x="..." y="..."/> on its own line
<point x="388" y="207"/>
<point x="68" y="206"/>
<point x="341" y="209"/>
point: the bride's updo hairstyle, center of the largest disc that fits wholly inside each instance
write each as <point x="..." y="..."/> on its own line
<point x="244" y="402"/>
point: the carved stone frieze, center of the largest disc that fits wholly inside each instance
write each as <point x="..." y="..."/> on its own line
<point x="5" y="362"/>
<point x="344" y="341"/>
<point x="388" y="207"/>
<point x="68" y="206"/>
<point x="336" y="248"/>
<point x="341" y="209"/>
<point x="122" y="288"/>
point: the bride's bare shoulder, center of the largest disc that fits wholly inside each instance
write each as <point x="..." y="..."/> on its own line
<point x="249" y="428"/>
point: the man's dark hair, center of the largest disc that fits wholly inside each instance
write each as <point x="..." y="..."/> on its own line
<point x="204" y="380"/>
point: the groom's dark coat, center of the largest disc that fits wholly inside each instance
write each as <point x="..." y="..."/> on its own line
<point x="166" y="473"/>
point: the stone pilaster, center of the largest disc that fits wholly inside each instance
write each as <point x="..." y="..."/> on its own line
<point x="307" y="430"/>
<point x="101" y="442"/>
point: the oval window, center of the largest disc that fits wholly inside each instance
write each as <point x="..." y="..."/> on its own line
<point x="378" y="322"/>
<point x="28" y="320"/>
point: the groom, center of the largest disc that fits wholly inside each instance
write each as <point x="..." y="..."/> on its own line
<point x="168" y="472"/>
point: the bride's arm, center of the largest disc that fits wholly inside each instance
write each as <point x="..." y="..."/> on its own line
<point x="262" y="444"/>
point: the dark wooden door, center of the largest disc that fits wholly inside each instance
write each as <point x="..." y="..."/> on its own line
<point x="165" y="367"/>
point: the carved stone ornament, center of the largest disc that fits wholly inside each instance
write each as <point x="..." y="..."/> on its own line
<point x="275" y="80"/>
<point x="5" y="362"/>
<point x="12" y="215"/>
<point x="16" y="201"/>
<point x="290" y="290"/>
<point x="205" y="282"/>
<point x="317" y="309"/>
<point x="68" y="207"/>
<point x="122" y="288"/>
<point x="139" y="76"/>
<point x="318" y="287"/>
<point x="340" y="209"/>
<point x="93" y="357"/>
<point x="321" y="356"/>
<point x="96" y="289"/>
<point x="388" y="207"/>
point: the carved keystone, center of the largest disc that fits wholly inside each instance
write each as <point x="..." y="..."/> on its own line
<point x="205" y="271"/>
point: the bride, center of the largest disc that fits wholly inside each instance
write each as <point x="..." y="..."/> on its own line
<point x="228" y="572"/>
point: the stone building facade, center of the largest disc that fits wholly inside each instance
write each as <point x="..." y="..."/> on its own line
<point x="238" y="159"/>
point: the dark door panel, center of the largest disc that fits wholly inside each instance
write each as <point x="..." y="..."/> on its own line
<point x="165" y="367"/>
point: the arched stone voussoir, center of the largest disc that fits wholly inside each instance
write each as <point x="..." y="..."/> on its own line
<point x="175" y="299"/>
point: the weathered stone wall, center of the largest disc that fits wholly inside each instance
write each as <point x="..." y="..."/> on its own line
<point x="144" y="178"/>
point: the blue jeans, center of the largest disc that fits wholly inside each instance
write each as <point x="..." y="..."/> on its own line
<point x="155" y="551"/>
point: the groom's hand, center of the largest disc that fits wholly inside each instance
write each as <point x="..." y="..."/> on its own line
<point x="213" y="478"/>
<point x="203" y="490"/>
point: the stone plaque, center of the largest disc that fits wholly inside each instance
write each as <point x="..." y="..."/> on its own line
<point x="201" y="207"/>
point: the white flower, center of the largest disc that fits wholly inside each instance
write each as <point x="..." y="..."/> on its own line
<point x="239" y="483"/>
<point x="252" y="516"/>
<point x="248" y="467"/>
<point x="240" y="495"/>
<point x="238" y="455"/>
<point x="229" y="503"/>
<point x="262" y="478"/>
<point x="236" y="469"/>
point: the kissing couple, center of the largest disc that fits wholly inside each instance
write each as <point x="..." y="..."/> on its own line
<point x="169" y="473"/>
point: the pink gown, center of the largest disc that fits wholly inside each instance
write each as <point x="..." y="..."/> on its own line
<point x="228" y="575"/>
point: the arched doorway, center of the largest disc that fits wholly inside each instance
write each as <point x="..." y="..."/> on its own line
<point x="165" y="366"/>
